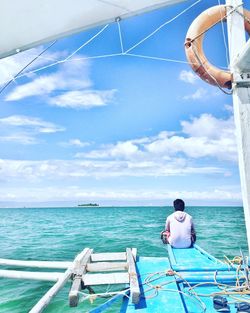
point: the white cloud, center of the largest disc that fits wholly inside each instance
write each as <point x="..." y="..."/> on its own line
<point x="68" y="87"/>
<point x="205" y="136"/>
<point x="31" y="171"/>
<point x="75" y="194"/>
<point x="24" y="129"/>
<point x="188" y="77"/>
<point x="166" y="154"/>
<point x="209" y="126"/>
<point x="122" y="150"/>
<point x="83" y="99"/>
<point x="20" y="138"/>
<point x="200" y="93"/>
<point x="69" y="75"/>
<point x="75" y="142"/>
<point x="228" y="108"/>
<point x="35" y="123"/>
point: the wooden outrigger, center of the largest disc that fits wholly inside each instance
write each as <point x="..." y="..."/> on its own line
<point x="185" y="281"/>
<point x="87" y="270"/>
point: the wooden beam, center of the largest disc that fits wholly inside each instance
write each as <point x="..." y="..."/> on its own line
<point x="242" y="61"/>
<point x="134" y="252"/>
<point x="133" y="278"/>
<point x="45" y="300"/>
<point x="107" y="266"/>
<point x="78" y="270"/>
<point x="38" y="264"/>
<point x="105" y="279"/>
<point x="241" y="101"/>
<point x="118" y="256"/>
<point x="45" y="276"/>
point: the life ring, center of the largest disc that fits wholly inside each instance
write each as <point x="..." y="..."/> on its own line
<point x="194" y="46"/>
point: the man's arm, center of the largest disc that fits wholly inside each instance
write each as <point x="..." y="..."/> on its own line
<point x="193" y="232"/>
<point x="167" y="225"/>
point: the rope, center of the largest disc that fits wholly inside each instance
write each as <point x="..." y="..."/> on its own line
<point x="161" y="26"/>
<point x="86" y="43"/>
<point x="52" y="64"/>
<point x="28" y="64"/>
<point x="236" y="293"/>
<point x="210" y="27"/>
<point x="64" y="61"/>
<point x="242" y="15"/>
<point x="155" y="58"/>
<point x="120" y="34"/>
<point x="94" y="296"/>
<point x="100" y="57"/>
<point x="224" y="37"/>
<point x="210" y="75"/>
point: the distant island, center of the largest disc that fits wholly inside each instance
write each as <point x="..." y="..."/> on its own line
<point x="88" y="204"/>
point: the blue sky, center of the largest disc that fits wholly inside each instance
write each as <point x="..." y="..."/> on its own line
<point x="121" y="130"/>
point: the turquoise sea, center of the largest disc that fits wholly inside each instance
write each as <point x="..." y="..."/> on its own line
<point x="61" y="233"/>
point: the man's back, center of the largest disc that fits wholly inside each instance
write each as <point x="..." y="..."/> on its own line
<point x="180" y="226"/>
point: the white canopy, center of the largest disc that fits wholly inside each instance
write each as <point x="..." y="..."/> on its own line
<point x="28" y="23"/>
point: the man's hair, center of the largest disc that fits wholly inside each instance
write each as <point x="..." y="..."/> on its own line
<point x="179" y="205"/>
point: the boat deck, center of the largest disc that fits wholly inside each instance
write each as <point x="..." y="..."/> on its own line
<point x="170" y="294"/>
<point x="150" y="302"/>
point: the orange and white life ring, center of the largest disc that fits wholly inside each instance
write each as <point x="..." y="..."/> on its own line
<point x="194" y="46"/>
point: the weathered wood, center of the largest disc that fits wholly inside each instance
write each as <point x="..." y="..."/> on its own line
<point x="45" y="300"/>
<point x="45" y="276"/>
<point x="241" y="101"/>
<point x="133" y="279"/>
<point x="78" y="270"/>
<point x="117" y="256"/>
<point x="107" y="266"/>
<point x="242" y="61"/>
<point x="105" y="279"/>
<point x="134" y="252"/>
<point x="38" y="264"/>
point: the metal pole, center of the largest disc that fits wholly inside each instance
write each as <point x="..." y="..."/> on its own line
<point x="241" y="102"/>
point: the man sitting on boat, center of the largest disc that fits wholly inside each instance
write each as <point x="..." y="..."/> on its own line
<point x="179" y="230"/>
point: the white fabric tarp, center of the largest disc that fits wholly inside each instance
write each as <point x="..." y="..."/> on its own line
<point x="27" y="23"/>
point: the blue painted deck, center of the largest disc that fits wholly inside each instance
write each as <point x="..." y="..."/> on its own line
<point x="170" y="301"/>
<point x="192" y="266"/>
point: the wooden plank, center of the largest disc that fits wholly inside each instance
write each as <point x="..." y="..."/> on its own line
<point x="107" y="266"/>
<point x="38" y="264"/>
<point x="134" y="252"/>
<point x="105" y="279"/>
<point x="45" y="300"/>
<point x="133" y="279"/>
<point x="117" y="256"/>
<point x="45" y="276"/>
<point x="79" y="269"/>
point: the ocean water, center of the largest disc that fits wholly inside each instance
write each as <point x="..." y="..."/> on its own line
<point x="61" y="233"/>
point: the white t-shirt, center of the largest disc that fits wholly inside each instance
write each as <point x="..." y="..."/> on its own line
<point x="180" y="225"/>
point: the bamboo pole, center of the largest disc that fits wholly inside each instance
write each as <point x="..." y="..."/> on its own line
<point x="38" y="264"/>
<point x="45" y="300"/>
<point x="45" y="276"/>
